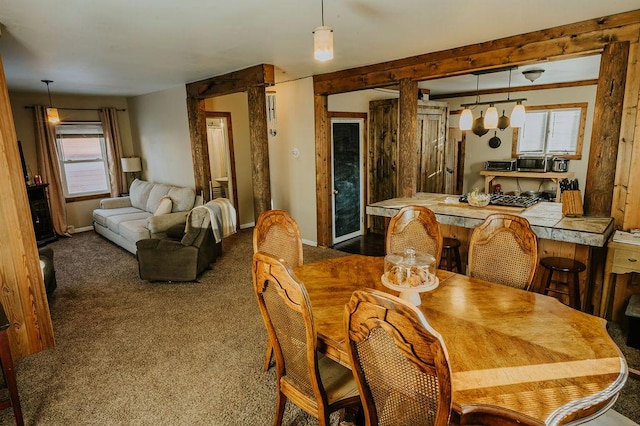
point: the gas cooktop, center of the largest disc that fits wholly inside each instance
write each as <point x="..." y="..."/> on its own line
<point x="509" y="200"/>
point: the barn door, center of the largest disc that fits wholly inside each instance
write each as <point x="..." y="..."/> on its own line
<point x="433" y="171"/>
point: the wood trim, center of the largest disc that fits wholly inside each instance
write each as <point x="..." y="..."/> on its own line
<point x="199" y="147"/>
<point x="581" y="38"/>
<point x="232" y="156"/>
<point x="259" y="140"/>
<point x="407" y="130"/>
<point x="583" y="122"/>
<point x="87" y="197"/>
<point x="549" y="86"/>
<point x="233" y="82"/>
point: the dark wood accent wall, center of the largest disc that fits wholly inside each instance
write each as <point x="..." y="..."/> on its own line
<point x="605" y="135"/>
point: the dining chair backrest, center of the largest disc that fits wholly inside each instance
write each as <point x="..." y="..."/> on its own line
<point x="504" y="249"/>
<point x="277" y="233"/>
<point x="491" y="415"/>
<point x="416" y="227"/>
<point x="399" y="361"/>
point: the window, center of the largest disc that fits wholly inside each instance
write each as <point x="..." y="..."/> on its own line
<point x="83" y="160"/>
<point x="552" y="130"/>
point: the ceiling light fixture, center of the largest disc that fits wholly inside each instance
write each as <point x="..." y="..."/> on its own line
<point x="532" y="75"/>
<point x="52" y="113"/>
<point x="481" y="125"/>
<point x="323" y="40"/>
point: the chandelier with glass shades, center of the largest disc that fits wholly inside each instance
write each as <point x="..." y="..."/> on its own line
<point x="490" y="120"/>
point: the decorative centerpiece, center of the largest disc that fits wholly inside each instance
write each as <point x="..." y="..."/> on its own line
<point x="410" y="273"/>
<point x="478" y="199"/>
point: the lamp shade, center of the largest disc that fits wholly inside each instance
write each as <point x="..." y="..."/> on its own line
<point x="491" y="118"/>
<point x="518" y="116"/>
<point x="52" y="115"/>
<point x="323" y="43"/>
<point x="131" y="164"/>
<point x="466" y="119"/>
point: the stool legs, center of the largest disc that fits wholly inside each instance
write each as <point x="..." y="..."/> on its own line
<point x="574" y="292"/>
<point x="10" y="378"/>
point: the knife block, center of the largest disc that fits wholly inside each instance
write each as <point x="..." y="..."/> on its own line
<point x="572" y="203"/>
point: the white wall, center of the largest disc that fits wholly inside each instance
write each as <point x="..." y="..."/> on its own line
<point x="160" y="129"/>
<point x="478" y="151"/>
<point x="78" y="212"/>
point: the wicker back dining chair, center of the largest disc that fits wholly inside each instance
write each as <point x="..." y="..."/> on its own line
<point x="315" y="383"/>
<point x="277" y="233"/>
<point x="491" y="415"/>
<point x="399" y="361"/>
<point x="417" y="227"/>
<point x="503" y="249"/>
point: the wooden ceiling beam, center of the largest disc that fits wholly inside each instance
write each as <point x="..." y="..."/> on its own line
<point x="573" y="39"/>
<point x="233" y="82"/>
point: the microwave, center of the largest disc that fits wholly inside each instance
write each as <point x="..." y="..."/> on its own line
<point x="500" y="165"/>
<point x="534" y="164"/>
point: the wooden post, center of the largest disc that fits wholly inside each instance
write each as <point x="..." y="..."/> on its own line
<point x="199" y="147"/>
<point x="323" y="172"/>
<point x="605" y="134"/>
<point x="407" y="149"/>
<point x="23" y="294"/>
<point x="257" y="99"/>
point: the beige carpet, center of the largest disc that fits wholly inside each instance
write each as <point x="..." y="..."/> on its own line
<point x="134" y="352"/>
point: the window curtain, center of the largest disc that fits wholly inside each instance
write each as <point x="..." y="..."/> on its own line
<point x="49" y="168"/>
<point x="113" y="143"/>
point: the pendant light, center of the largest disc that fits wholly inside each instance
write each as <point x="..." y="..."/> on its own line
<point x="491" y="118"/>
<point x="518" y="115"/>
<point x="323" y="40"/>
<point x="52" y="113"/>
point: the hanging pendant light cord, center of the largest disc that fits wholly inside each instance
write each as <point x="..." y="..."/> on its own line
<point x="48" y="91"/>
<point x="509" y="90"/>
<point x="322" y="9"/>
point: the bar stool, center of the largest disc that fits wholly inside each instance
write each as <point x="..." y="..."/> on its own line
<point x="451" y="255"/>
<point x="6" y="361"/>
<point x="563" y="264"/>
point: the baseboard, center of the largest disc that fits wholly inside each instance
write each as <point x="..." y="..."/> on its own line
<point x="82" y="229"/>
<point x="247" y="225"/>
<point x="310" y="243"/>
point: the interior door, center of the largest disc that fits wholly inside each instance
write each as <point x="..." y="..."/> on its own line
<point x="432" y="148"/>
<point x="347" y="137"/>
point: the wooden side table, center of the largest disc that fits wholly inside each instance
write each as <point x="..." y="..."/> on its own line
<point x="6" y="361"/>
<point x="621" y="259"/>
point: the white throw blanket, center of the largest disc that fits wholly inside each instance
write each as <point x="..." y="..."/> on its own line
<point x="223" y="217"/>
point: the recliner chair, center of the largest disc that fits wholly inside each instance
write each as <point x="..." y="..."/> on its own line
<point x="184" y="260"/>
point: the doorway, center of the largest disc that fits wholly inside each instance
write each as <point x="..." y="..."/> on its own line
<point x="347" y="176"/>
<point x="221" y="157"/>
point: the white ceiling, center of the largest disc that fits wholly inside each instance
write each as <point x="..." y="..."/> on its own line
<point x="132" y="47"/>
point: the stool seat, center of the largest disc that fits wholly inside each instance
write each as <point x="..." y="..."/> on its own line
<point x="563" y="264"/>
<point x="451" y="255"/>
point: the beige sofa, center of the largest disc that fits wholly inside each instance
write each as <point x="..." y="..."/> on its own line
<point x="148" y="212"/>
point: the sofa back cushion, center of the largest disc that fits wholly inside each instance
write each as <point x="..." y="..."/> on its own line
<point x="182" y="198"/>
<point x="139" y="193"/>
<point x="158" y="191"/>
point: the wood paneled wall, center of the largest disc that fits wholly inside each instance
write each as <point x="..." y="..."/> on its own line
<point x="22" y="293"/>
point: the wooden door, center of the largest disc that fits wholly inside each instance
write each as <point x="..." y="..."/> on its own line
<point x="383" y="154"/>
<point x="432" y="172"/>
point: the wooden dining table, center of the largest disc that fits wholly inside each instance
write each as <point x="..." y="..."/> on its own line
<point x="507" y="347"/>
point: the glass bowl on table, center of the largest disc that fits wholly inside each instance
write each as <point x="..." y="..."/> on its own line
<point x="478" y="199"/>
<point x="410" y="273"/>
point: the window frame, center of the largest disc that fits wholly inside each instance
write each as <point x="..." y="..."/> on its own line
<point x="581" y="129"/>
<point x="79" y="196"/>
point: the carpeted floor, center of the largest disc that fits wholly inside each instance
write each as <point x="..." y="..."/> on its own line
<point x="132" y="352"/>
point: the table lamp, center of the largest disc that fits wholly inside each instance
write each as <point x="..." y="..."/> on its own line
<point x="131" y="165"/>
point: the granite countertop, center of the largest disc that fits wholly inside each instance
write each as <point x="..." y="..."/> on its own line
<point x="545" y="218"/>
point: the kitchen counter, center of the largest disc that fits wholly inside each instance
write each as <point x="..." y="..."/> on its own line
<point x="545" y="217"/>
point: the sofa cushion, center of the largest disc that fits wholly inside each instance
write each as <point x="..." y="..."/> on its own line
<point x="113" y="222"/>
<point x="158" y="191"/>
<point x="134" y="230"/>
<point x="139" y="193"/>
<point x="100" y="216"/>
<point x="164" y="206"/>
<point x="183" y="199"/>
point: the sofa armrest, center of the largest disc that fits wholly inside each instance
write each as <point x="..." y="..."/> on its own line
<point x="162" y="223"/>
<point x="115" y="203"/>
